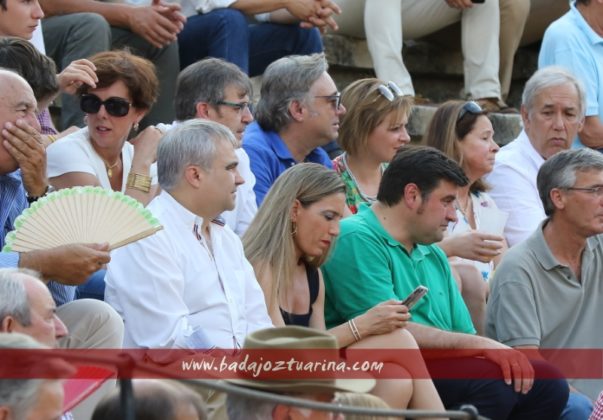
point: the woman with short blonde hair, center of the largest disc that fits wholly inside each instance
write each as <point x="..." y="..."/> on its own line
<point x="372" y="130"/>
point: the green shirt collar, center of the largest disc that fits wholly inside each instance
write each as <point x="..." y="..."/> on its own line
<point x="366" y="212"/>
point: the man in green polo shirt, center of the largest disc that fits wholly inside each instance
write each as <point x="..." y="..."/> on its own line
<point x="386" y="250"/>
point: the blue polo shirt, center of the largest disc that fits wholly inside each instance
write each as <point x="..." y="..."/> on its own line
<point x="269" y="157"/>
<point x="571" y="43"/>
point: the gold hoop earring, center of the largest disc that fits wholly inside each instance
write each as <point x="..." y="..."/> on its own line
<point x="293" y="228"/>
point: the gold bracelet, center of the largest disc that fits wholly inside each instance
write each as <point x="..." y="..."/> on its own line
<point x="139" y="182"/>
<point x="52" y="138"/>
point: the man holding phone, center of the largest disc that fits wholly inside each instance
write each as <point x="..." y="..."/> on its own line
<point x="386" y="250"/>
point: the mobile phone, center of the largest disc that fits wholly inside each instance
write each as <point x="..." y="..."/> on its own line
<point x="414" y="297"/>
<point x="478" y="1"/>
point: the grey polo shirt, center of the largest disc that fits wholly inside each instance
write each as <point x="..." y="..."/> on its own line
<point x="536" y="301"/>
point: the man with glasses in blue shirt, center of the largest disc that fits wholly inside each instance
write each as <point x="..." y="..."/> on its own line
<point x="298" y="112"/>
<point x="547" y="290"/>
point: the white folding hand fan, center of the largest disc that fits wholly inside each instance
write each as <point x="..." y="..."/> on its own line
<point x="81" y="215"/>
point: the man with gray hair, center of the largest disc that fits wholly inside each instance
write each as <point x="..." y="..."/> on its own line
<point x="189" y="285"/>
<point x="26" y="307"/>
<point x="298" y="112"/>
<point x="547" y="291"/>
<point x="28" y="398"/>
<point x="216" y="90"/>
<point x="552" y="111"/>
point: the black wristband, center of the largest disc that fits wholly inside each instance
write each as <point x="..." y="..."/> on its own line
<point x="31" y="200"/>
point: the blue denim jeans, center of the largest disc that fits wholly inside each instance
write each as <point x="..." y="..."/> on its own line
<point x="93" y="288"/>
<point x="492" y="397"/>
<point x="578" y="407"/>
<point x="226" y="33"/>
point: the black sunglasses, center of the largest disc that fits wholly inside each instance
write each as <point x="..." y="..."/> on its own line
<point x="470" y="107"/>
<point x="117" y="107"/>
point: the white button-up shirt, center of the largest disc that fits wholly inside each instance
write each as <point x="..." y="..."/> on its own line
<point x="514" y="190"/>
<point x="172" y="292"/>
<point x="246" y="207"/>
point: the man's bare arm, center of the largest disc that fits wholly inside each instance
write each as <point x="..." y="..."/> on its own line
<point x="68" y="264"/>
<point x="310" y="12"/>
<point x="515" y="366"/>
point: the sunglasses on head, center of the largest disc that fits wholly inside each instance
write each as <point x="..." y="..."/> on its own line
<point x="117" y="107"/>
<point x="390" y="91"/>
<point x="470" y="107"/>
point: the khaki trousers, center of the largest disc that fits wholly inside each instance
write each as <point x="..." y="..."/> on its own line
<point x="388" y="22"/>
<point x="92" y="324"/>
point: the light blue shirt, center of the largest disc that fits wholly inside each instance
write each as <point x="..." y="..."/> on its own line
<point x="12" y="202"/>
<point x="570" y="42"/>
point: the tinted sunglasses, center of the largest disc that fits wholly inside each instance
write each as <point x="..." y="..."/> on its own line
<point x="470" y="107"/>
<point x="334" y="99"/>
<point x="117" y="107"/>
<point x="390" y="91"/>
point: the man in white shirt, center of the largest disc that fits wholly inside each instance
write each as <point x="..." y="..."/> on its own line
<point x="552" y="111"/>
<point x="189" y="285"/>
<point x="216" y="90"/>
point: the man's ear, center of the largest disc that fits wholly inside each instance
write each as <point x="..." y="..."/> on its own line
<point x="525" y="115"/>
<point x="412" y="196"/>
<point x="557" y="198"/>
<point x="7" y="325"/>
<point x="296" y="110"/>
<point x="194" y="175"/>
<point x="202" y="110"/>
<point x="4" y="413"/>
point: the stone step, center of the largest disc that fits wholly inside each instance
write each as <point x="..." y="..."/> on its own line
<point x="437" y="74"/>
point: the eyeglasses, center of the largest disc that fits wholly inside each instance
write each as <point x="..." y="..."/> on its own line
<point x="598" y="190"/>
<point x="470" y="107"/>
<point x="115" y="106"/>
<point x="237" y="106"/>
<point x="390" y="91"/>
<point x="334" y="99"/>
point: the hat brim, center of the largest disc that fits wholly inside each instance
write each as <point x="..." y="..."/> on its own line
<point x="308" y="386"/>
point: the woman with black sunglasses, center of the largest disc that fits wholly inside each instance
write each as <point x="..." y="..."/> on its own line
<point x="372" y="130"/>
<point x="463" y="131"/>
<point x="100" y="153"/>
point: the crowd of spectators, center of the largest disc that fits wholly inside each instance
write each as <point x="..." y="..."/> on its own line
<point x="270" y="243"/>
